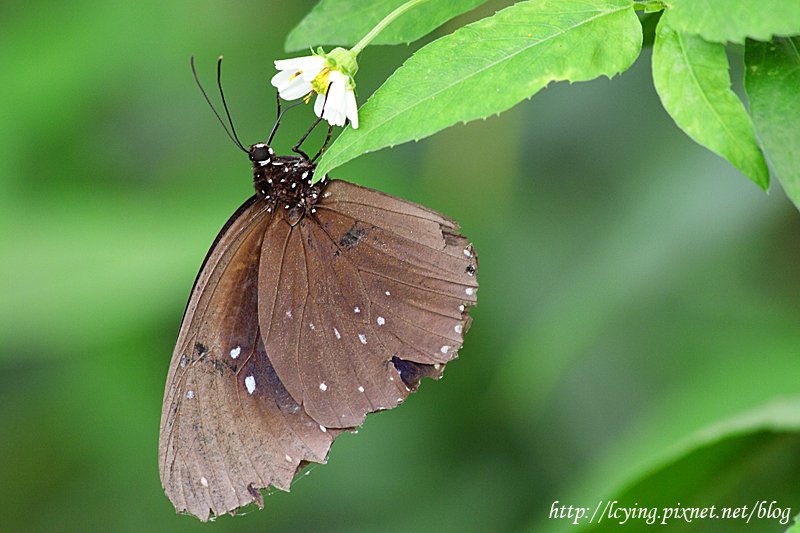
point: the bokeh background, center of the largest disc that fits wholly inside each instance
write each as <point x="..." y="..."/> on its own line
<point x="636" y="336"/>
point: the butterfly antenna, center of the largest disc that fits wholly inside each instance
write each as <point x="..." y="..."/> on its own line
<point x="225" y="103"/>
<point x="280" y="116"/>
<point x="208" y="101"/>
<point x="296" y="148"/>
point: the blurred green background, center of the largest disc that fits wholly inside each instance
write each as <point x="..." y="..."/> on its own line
<point x="636" y="335"/>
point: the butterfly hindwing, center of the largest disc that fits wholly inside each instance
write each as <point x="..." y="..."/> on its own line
<point x="318" y="328"/>
<point x="419" y="273"/>
<point x="365" y="279"/>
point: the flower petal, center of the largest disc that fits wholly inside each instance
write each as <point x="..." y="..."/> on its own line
<point x="296" y="88"/>
<point x="318" y="105"/>
<point x="351" y="108"/>
<point x="312" y="70"/>
<point x="298" y="63"/>
<point x="337" y="77"/>
<point x="331" y="114"/>
<point x="335" y="106"/>
<point x="281" y="79"/>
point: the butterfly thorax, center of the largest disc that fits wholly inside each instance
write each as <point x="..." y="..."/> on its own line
<point x="285" y="182"/>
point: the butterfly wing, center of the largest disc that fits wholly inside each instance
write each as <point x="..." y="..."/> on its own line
<point x="228" y="426"/>
<point x="361" y="299"/>
<point x="295" y="332"/>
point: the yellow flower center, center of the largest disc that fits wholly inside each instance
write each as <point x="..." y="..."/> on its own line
<point x="320" y="83"/>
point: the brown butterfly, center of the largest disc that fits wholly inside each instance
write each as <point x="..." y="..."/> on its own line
<point x="317" y="304"/>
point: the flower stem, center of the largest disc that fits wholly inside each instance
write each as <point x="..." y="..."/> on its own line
<point x="388" y="19"/>
<point x="649" y="6"/>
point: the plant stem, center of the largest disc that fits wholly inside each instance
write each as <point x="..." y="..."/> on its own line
<point x="649" y="6"/>
<point x="388" y="19"/>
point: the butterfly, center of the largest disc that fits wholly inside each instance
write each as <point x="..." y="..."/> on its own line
<point x="317" y="304"/>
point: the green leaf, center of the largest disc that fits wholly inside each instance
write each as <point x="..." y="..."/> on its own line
<point x="772" y="82"/>
<point x="795" y="528"/>
<point x="691" y="77"/>
<point x="344" y="22"/>
<point x="752" y="473"/>
<point x="707" y="467"/>
<point x="491" y="65"/>
<point x="733" y="20"/>
<point x="745" y="458"/>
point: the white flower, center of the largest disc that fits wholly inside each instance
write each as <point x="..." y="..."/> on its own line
<point x="330" y="76"/>
<point x="295" y="76"/>
<point x="340" y="102"/>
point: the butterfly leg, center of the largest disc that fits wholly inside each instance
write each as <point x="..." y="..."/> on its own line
<point x="324" y="146"/>
<point x="296" y="148"/>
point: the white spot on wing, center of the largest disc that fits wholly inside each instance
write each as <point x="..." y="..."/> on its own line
<point x="183" y="361"/>
<point x="470" y="291"/>
<point x="356" y="310"/>
<point x="436" y="366"/>
<point x="381" y="321"/>
<point x="467" y="252"/>
<point x="312" y="326"/>
<point x="323" y="428"/>
<point x="235" y="352"/>
<point x="204" y="481"/>
<point x="250" y="383"/>
<point x="336" y="332"/>
<point x="323" y="387"/>
<point x="458" y="328"/>
<point x="362" y="338"/>
<point x="190" y="394"/>
<point x="445" y="349"/>
<point x="387" y="293"/>
<point x="289" y="314"/>
<point x="461" y="308"/>
<point x="288" y="458"/>
<point x="360" y="388"/>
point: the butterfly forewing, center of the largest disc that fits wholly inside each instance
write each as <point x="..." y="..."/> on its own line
<point x="229" y="427"/>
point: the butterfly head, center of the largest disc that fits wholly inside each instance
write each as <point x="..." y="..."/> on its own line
<point x="261" y="154"/>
